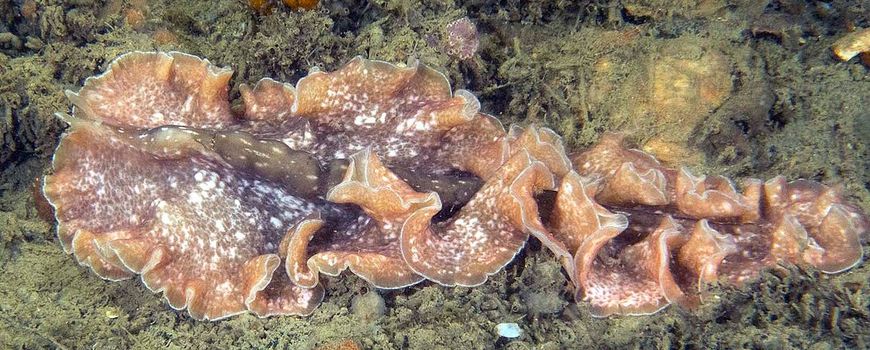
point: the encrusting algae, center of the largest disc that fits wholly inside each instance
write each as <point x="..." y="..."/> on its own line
<point x="854" y="44"/>
<point x="266" y="6"/>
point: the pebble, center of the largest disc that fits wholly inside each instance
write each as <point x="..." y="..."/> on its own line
<point x="509" y="330"/>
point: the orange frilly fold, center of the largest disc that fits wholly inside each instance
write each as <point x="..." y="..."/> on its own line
<point x="646" y="236"/>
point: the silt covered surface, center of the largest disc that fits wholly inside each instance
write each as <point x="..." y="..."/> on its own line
<point x="740" y="88"/>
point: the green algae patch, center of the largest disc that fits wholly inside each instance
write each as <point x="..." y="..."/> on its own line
<point x="29" y="96"/>
<point x="19" y="218"/>
<point x="821" y="121"/>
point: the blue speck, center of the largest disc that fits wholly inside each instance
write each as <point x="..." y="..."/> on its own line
<point x="509" y="330"/>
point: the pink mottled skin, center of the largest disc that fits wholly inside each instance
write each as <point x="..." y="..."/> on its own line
<point x="226" y="213"/>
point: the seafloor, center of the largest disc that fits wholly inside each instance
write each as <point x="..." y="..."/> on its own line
<point x="738" y="87"/>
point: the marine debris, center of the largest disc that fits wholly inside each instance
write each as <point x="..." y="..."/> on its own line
<point x="384" y="171"/>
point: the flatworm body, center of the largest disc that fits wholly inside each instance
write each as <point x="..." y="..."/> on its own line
<point x="385" y="172"/>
